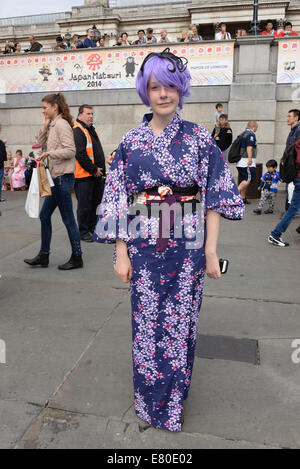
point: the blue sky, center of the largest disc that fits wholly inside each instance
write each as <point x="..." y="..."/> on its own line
<point x="35" y="7"/>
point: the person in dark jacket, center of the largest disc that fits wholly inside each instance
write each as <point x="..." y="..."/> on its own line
<point x="293" y="120"/>
<point x="3" y="157"/>
<point x="35" y="46"/>
<point x="293" y="210"/>
<point x="90" y="172"/>
<point x="223" y="134"/>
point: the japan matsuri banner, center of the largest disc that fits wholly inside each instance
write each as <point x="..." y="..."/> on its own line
<point x="114" y="68"/>
<point x="288" y="70"/>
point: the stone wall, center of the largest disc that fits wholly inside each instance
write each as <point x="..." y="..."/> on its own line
<point x="253" y="95"/>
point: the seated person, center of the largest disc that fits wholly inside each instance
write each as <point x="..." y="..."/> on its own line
<point x="18" y="175"/>
<point x="8" y="170"/>
<point x="30" y="164"/>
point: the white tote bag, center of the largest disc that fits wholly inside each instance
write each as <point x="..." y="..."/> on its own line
<point x="49" y="178"/>
<point x="32" y="205"/>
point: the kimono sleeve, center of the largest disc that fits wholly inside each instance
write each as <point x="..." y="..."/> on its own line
<point x="221" y="192"/>
<point x="114" y="209"/>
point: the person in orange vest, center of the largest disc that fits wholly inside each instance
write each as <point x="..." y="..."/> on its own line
<point x="90" y="172"/>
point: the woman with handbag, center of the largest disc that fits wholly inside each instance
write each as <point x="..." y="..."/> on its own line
<point x="56" y="136"/>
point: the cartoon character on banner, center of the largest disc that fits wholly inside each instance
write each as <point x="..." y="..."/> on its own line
<point x="45" y="72"/>
<point x="60" y="72"/>
<point x="130" y="66"/>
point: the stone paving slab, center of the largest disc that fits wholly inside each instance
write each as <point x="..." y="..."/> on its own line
<point x="102" y="383"/>
<point x="56" y="429"/>
<point x="250" y="319"/>
<point x="247" y="402"/>
<point x="46" y="327"/>
<point x="67" y="382"/>
<point x="224" y="394"/>
<point x="15" y="418"/>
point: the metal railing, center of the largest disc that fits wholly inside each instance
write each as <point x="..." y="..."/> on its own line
<point x="33" y="19"/>
<point x="135" y="3"/>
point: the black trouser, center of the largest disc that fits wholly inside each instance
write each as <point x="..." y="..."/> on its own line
<point x="89" y="194"/>
<point x="28" y="176"/>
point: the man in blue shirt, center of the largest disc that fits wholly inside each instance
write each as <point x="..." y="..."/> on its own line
<point x="89" y="40"/>
<point x="247" y="164"/>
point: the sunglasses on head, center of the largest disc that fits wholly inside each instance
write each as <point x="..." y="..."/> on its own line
<point x="178" y="63"/>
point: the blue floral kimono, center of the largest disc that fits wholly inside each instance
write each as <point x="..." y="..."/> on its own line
<point x="167" y="287"/>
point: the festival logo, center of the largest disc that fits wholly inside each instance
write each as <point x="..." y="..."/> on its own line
<point x="94" y="62"/>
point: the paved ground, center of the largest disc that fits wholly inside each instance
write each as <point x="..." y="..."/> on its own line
<point x="67" y="380"/>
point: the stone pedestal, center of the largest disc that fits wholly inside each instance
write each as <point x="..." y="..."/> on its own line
<point x="253" y="93"/>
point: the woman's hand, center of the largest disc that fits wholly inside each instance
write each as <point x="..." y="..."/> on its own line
<point x="123" y="268"/>
<point x="43" y="156"/>
<point x="213" y="266"/>
<point x="46" y="122"/>
<point x="212" y="261"/>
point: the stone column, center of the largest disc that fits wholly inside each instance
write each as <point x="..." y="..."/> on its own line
<point x="253" y="93"/>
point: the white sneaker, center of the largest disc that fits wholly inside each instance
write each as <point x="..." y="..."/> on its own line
<point x="277" y="242"/>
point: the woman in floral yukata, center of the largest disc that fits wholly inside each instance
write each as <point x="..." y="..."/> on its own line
<point x="165" y="159"/>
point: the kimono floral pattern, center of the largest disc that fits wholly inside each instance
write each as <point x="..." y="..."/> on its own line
<point x="167" y="287"/>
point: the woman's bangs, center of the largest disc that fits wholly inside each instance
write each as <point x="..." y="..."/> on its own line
<point x="160" y="71"/>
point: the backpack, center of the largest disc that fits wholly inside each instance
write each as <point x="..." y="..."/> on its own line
<point x="234" y="154"/>
<point x="288" y="170"/>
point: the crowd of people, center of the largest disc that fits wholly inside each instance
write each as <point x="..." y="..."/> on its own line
<point x="193" y="34"/>
<point x="17" y="172"/>
<point x="246" y="164"/>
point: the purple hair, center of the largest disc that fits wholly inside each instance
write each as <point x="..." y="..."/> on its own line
<point x="160" y="69"/>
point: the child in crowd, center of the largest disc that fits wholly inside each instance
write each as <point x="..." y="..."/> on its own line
<point x="18" y="175"/>
<point x="8" y="170"/>
<point x="219" y="111"/>
<point x="269" y="188"/>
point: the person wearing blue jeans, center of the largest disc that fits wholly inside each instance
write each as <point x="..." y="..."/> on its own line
<point x="1" y="182"/>
<point x="61" y="198"/>
<point x="290" y="215"/>
<point x="57" y="138"/>
<point x="3" y="158"/>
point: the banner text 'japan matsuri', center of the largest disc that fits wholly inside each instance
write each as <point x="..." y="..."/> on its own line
<point x="210" y="64"/>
